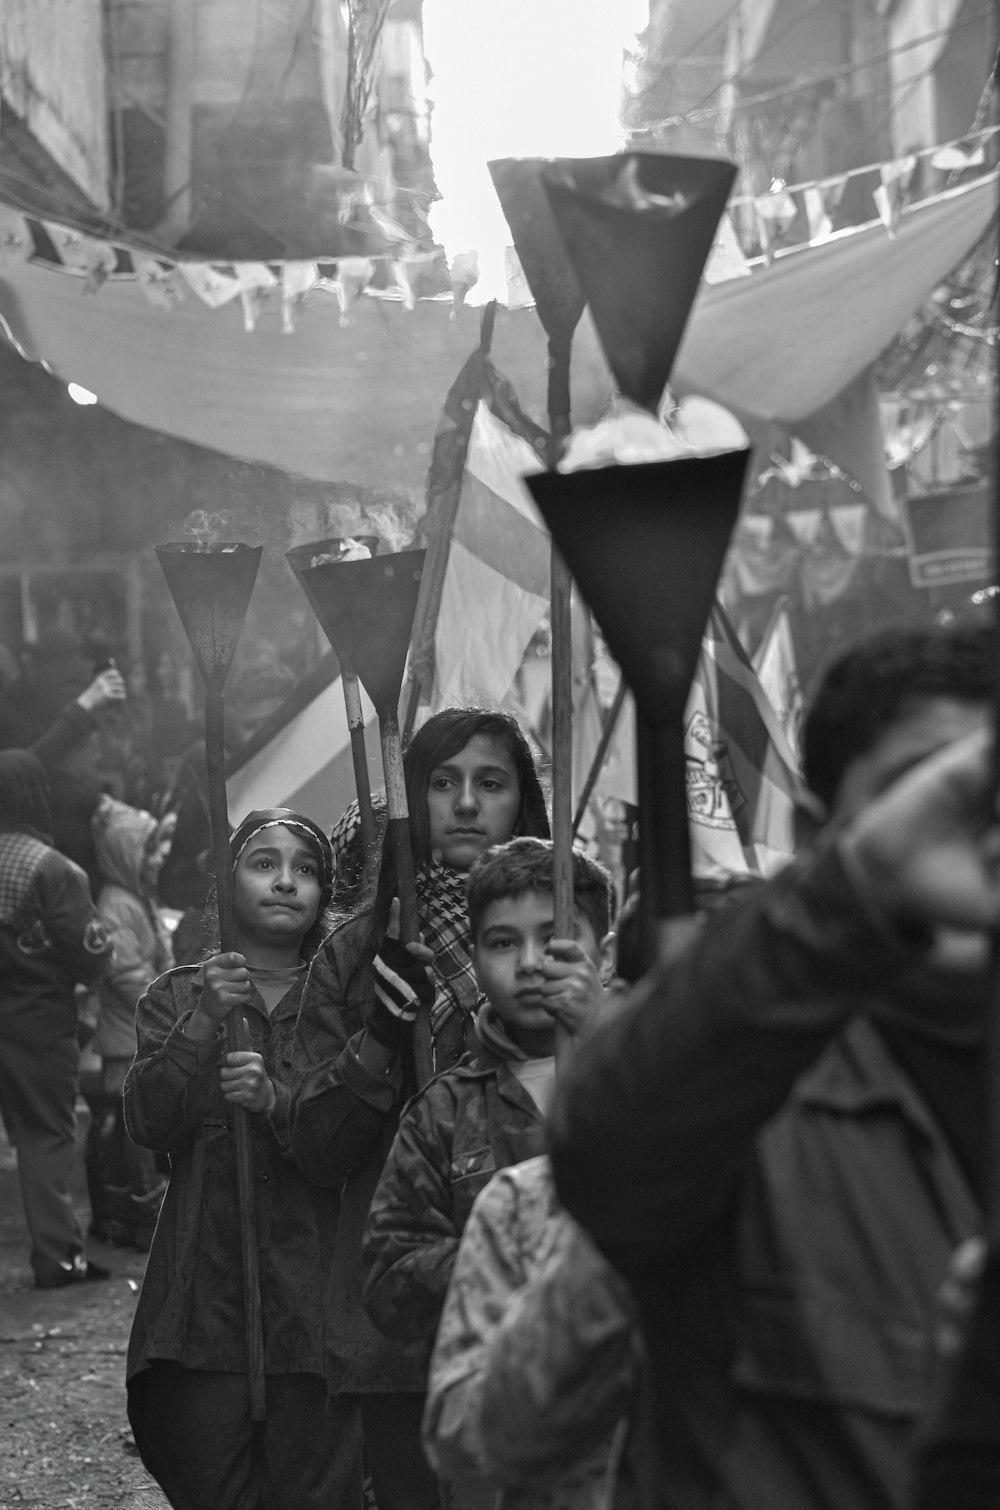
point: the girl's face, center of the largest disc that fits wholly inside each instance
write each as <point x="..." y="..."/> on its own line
<point x="473" y="800"/>
<point x="276" y="886"/>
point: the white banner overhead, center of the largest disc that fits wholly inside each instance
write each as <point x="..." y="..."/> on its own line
<point x="353" y="389"/>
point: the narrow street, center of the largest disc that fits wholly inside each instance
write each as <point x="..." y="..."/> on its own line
<point x="65" y="1442"/>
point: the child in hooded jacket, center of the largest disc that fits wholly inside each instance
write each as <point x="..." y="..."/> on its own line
<point x="189" y="1398"/>
<point x="124" y="1183"/>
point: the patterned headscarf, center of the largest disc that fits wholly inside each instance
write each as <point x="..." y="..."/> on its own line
<point x="284" y="817"/>
<point x="348" y="858"/>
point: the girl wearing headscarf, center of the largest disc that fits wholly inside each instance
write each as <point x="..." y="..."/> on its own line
<point x="471" y="782"/>
<point x="50" y="940"/>
<point x="188" y="1388"/>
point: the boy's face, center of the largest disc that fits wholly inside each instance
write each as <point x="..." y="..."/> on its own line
<point x="924" y="725"/>
<point x="508" y="955"/>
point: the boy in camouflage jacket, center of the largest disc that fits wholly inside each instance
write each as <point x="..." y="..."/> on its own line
<point x="489" y="1111"/>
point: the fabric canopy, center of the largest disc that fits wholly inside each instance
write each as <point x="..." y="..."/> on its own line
<point x="782" y="343"/>
<point x="359" y="401"/>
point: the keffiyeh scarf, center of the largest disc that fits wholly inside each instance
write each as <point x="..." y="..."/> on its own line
<point x="21" y="855"/>
<point x="444" y="923"/>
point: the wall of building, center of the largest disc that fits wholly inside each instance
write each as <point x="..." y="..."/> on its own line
<point x="936" y="83"/>
<point x="52" y="77"/>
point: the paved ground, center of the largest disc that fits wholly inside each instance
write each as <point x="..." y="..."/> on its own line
<point x="65" y="1442"/>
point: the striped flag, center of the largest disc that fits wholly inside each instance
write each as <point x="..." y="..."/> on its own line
<point x="774" y="663"/>
<point x="742" y="775"/>
<point x="495" y="588"/>
<point x="301" y="757"/>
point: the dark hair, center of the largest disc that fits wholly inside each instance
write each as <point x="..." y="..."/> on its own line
<point x="24" y="794"/>
<point x="865" y="690"/>
<point x="525" y="865"/>
<point x="436" y="741"/>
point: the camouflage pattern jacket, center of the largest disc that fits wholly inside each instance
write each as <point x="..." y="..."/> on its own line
<point x="452" y="1138"/>
<point x="537" y="1361"/>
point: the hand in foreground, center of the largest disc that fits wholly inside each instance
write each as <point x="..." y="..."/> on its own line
<point x="225" y="983"/>
<point x="403" y="984"/>
<point x="419" y="950"/>
<point x="245" y="1081"/>
<point x="106" y="688"/>
<point x="572" y="989"/>
<point x="929" y="846"/>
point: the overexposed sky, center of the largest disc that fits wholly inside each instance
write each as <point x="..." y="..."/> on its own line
<point x="517" y="78"/>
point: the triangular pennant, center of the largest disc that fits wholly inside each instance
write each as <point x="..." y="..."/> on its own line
<point x="16" y="242"/>
<point x="848" y="521"/>
<point x="159" y="281"/>
<point x="820" y="224"/>
<point x="353" y="276"/>
<point x="213" y="285"/>
<point x="805" y="524"/>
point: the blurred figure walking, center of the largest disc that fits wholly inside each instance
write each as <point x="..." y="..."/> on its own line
<point x="50" y="939"/>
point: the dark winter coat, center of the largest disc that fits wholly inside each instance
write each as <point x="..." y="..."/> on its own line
<point x="452" y="1138"/>
<point x="52" y="941"/>
<point x="190" y="1309"/>
<point x="744" y="1148"/>
<point x="344" y="1120"/>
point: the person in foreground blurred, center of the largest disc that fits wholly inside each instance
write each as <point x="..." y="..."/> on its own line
<point x="50" y="939"/>
<point x="189" y="1399"/>
<point x="806" y="1101"/>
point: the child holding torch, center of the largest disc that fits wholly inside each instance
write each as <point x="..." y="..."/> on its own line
<point x="189" y="1398"/>
<point x="470" y="783"/>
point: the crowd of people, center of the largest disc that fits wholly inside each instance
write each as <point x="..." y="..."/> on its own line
<point x="532" y="1233"/>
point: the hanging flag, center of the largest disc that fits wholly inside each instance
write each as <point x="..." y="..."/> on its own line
<point x="160" y="281"/>
<point x="495" y="591"/>
<point x="819" y="222"/>
<point x="16" y="241"/>
<point x="890" y="193"/>
<point x="741" y="773"/>
<point x="297" y="278"/>
<point x="774" y="663"/>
